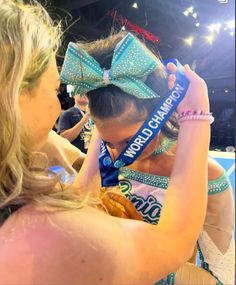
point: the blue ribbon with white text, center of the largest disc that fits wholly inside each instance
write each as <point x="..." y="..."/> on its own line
<point x="109" y="170"/>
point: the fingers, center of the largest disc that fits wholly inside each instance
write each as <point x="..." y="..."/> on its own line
<point x="86" y="117"/>
<point x="195" y="80"/>
<point x="171" y="78"/>
<point x="113" y="208"/>
<point x="130" y="210"/>
<point x="172" y="67"/>
<point x="171" y="81"/>
<point x="189" y="73"/>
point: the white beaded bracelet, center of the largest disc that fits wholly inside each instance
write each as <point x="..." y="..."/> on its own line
<point x="194" y="115"/>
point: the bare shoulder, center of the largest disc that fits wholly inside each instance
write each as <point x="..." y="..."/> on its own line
<point x="215" y="170"/>
<point x="85" y="246"/>
<point x="62" y="247"/>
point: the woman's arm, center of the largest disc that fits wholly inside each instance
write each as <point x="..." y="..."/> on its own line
<point x="61" y="152"/>
<point x="184" y="208"/>
<point x="86" y="246"/>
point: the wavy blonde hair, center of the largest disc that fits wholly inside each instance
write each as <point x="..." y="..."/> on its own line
<point x="28" y="39"/>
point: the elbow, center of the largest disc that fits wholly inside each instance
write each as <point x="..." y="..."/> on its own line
<point x="184" y="250"/>
<point x="62" y="134"/>
<point x="181" y="248"/>
<point x="65" y="135"/>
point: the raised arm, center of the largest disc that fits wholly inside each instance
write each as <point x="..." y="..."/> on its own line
<point x="189" y="173"/>
<point x="72" y="133"/>
<point x="185" y="204"/>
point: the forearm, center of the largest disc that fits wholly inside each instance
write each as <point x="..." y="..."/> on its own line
<point x="72" y="133"/>
<point x="89" y="172"/>
<point x="187" y="191"/>
<point x="61" y="152"/>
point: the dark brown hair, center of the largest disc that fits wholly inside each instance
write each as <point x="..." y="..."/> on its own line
<point x="110" y="101"/>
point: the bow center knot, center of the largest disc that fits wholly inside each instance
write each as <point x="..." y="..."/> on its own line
<point x="106" y="79"/>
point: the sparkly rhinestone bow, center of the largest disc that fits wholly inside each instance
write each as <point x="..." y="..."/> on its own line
<point x="131" y="62"/>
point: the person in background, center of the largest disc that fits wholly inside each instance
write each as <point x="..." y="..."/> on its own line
<point x="74" y="123"/>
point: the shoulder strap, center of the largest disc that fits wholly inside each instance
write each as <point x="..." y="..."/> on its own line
<point x="218" y="185"/>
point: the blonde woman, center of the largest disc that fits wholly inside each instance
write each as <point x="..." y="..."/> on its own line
<point x="48" y="235"/>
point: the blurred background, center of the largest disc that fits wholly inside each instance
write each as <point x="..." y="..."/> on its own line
<point x="200" y="33"/>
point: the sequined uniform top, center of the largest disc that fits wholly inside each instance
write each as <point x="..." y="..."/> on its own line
<point x="147" y="193"/>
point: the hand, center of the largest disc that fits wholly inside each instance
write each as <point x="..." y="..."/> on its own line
<point x="85" y="118"/>
<point x="196" y="97"/>
<point x="118" y="206"/>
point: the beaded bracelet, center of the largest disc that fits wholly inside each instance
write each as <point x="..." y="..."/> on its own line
<point x="194" y="115"/>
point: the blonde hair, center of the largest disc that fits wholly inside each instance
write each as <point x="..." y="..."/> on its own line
<point x="28" y="39"/>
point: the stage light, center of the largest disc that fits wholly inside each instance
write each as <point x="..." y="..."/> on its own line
<point x="135" y="5"/>
<point x="214" y="27"/>
<point x="189" y="41"/>
<point x="188" y="11"/>
<point x="232" y="33"/>
<point x="194" y="15"/>
<point x="231" y="25"/>
<point x="226" y="90"/>
<point x="209" y="39"/>
<point x="197" y="24"/>
<point x="123" y="28"/>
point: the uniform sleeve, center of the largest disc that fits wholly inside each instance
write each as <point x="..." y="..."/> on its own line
<point x="218" y="185"/>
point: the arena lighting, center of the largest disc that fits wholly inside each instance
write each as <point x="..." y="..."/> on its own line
<point x="197" y="24"/>
<point x="188" y="11"/>
<point x="135" y="5"/>
<point x="231" y="33"/>
<point x="231" y="25"/>
<point x="226" y="90"/>
<point x="189" y="41"/>
<point x="214" y="27"/>
<point x="209" y="39"/>
<point x="194" y="15"/>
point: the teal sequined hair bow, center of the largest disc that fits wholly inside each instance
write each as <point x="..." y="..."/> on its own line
<point x="131" y="63"/>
